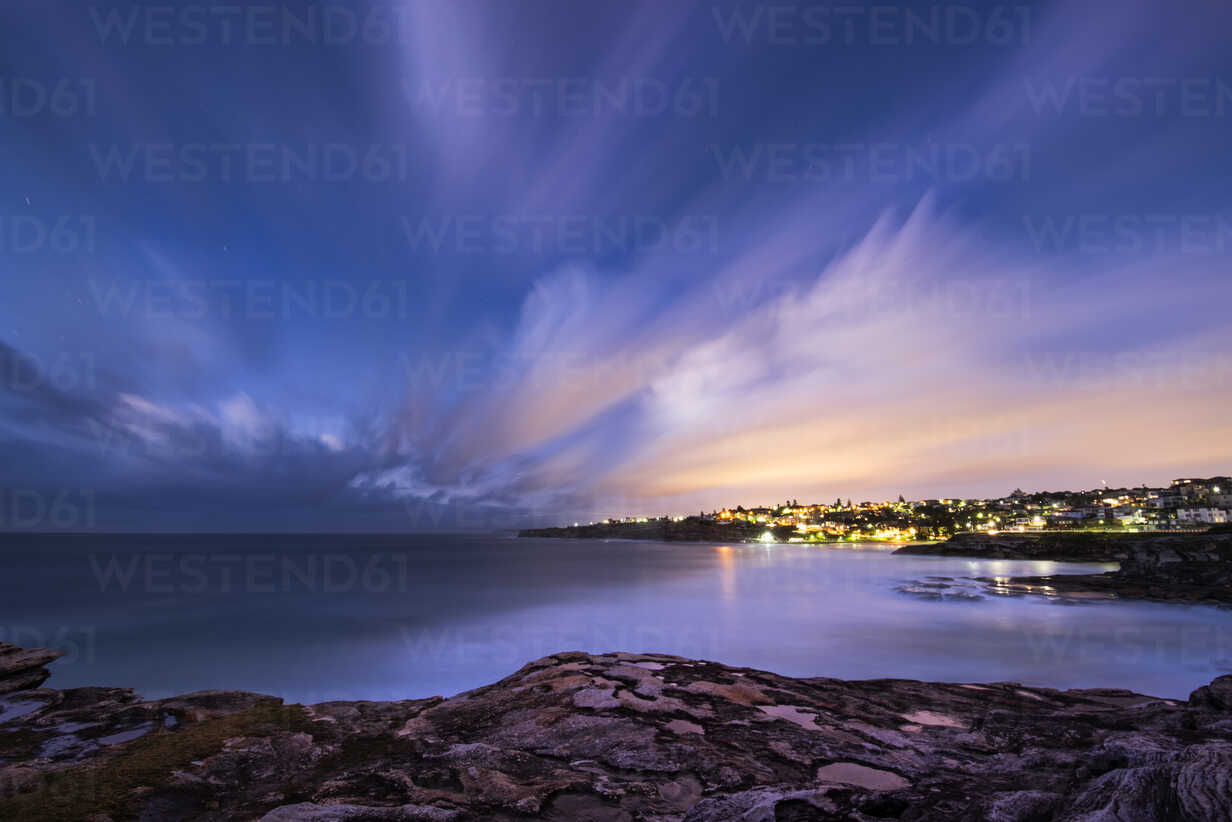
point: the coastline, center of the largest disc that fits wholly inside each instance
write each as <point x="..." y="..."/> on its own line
<point x="1182" y="568"/>
<point x="687" y="530"/>
<point x="690" y="529"/>
<point x="1055" y="546"/>
<point x="615" y="737"/>
<point x="1192" y="568"/>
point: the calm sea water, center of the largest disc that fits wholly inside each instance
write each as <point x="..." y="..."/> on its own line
<point x="357" y="617"/>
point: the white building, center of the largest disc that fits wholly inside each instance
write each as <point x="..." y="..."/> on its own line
<point x="1201" y="516"/>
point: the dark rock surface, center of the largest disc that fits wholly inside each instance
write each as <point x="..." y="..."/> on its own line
<point x="1064" y="547"/>
<point x="623" y="737"/>
<point x="691" y="529"/>
<point x="1191" y="568"/>
<point x="21" y="669"/>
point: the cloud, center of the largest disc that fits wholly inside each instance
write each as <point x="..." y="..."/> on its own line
<point x="151" y="462"/>
<point x="919" y="357"/>
<point x="847" y="335"/>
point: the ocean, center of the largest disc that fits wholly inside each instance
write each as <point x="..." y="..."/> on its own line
<point x="325" y="617"/>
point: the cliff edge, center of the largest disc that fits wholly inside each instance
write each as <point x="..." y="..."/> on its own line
<point x="622" y="737"/>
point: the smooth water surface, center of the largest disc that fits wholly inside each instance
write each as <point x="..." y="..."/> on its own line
<point x="312" y="618"/>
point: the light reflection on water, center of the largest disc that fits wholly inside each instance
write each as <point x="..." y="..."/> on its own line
<point x="471" y="610"/>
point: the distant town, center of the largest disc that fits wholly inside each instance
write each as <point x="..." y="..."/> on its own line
<point x="1185" y="505"/>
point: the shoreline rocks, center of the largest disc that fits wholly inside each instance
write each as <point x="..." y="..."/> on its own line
<point x="691" y="529"/>
<point x="1058" y="547"/>
<point x="1182" y="568"/>
<point x="21" y="669"/>
<point x="622" y="737"/>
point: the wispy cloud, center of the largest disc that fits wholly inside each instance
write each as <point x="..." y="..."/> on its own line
<point x="926" y="267"/>
<point x="921" y="357"/>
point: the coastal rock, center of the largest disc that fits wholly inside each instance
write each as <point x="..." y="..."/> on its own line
<point x="690" y="529"/>
<point x="21" y="670"/>
<point x="1214" y="697"/>
<point x="940" y="589"/>
<point x="1190" y="568"/>
<point x="1065" y="547"/>
<point x="309" y="812"/>
<point x="622" y="738"/>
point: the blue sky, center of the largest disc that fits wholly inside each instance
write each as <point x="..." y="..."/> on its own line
<point x="416" y="265"/>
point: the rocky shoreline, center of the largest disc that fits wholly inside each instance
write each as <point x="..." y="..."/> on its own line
<point x="691" y="529"/>
<point x="1058" y="546"/>
<point x="1190" y="568"/>
<point x="617" y="738"/>
<point x="1180" y="568"/>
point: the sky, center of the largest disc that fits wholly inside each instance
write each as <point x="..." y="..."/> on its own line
<point x="409" y="265"/>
